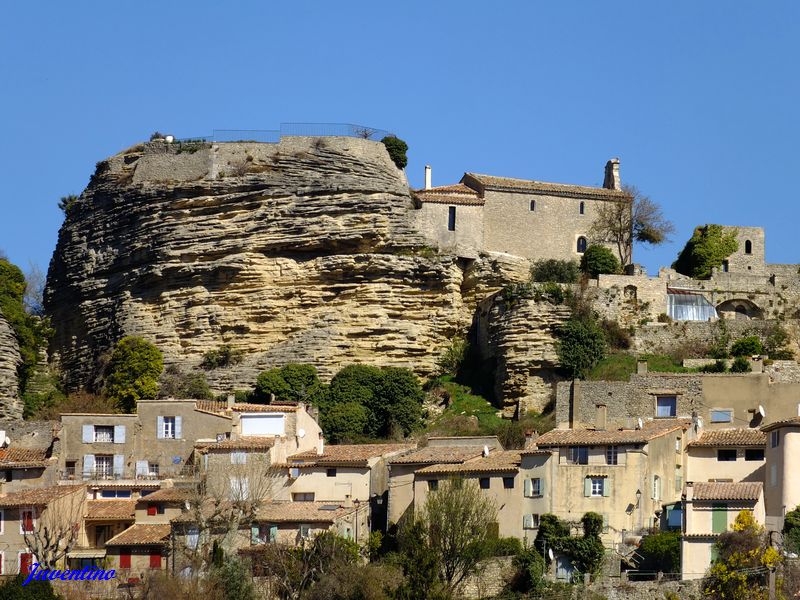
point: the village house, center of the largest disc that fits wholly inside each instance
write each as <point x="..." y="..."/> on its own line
<point x="781" y="480"/>
<point x="731" y="455"/>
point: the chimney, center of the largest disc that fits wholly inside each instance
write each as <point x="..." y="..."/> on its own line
<point x="641" y="367"/>
<point x="231" y="400"/>
<point x="321" y="445"/>
<point x="427" y="177"/>
<point x="601" y="416"/>
<point x="611" y="182"/>
<point x="272" y="398"/>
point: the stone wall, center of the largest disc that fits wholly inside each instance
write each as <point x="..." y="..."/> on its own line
<point x="614" y="589"/>
<point x="10" y="359"/>
<point x="493" y="576"/>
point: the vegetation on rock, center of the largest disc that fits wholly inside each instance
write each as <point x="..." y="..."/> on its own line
<point x="705" y="250"/>
<point x="586" y="552"/>
<point x="224" y="356"/>
<point x="290" y="383"/>
<point x="599" y="260"/>
<point x="580" y="345"/>
<point x="558" y="271"/>
<point x="133" y="372"/>
<point x="397" y="150"/>
<point x="747" y="346"/>
<point x="176" y="383"/>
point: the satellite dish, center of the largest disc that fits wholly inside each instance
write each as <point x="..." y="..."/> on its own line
<point x="550" y="553"/>
<point x="486" y="451"/>
<point x="301" y="433"/>
<point x="6" y="442"/>
<point x="639" y="423"/>
<point x="761" y="411"/>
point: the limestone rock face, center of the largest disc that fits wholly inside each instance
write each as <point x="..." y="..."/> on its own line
<point x="10" y="359"/>
<point x="302" y="251"/>
<point x="521" y="339"/>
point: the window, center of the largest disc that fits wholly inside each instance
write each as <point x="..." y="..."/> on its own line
<point x="124" y="558"/>
<point x="612" y="453"/>
<point x="726" y="455"/>
<point x="25" y="562"/>
<point x="582" y="208"/>
<point x="748" y="247"/>
<point x="152" y="469"/>
<point x="754" y="454"/>
<point x="103" y="465"/>
<point x="240" y="488"/>
<point x="508" y="483"/>
<point x="775" y="439"/>
<point x="579" y="455"/>
<point x="725" y="266"/>
<point x="104" y="433"/>
<point x="533" y="205"/>
<point x="169" y="428"/>
<point x="719" y="518"/>
<point x="330" y="472"/>
<point x="155" y="558"/>
<point x="536" y="487"/>
<point x="305" y="531"/>
<point x="721" y="416"/>
<point x="26" y="520"/>
<point x="154" y="509"/>
<point x="433" y="485"/>
<point x="485" y="483"/>
<point x="264" y="533"/>
<point x="597" y="486"/>
<point x="9" y="475"/>
<point x="530" y="521"/>
<point x="581" y="245"/>
<point x="238" y="458"/>
<point x="678" y="445"/>
<point x="666" y="406"/>
<point x="2" y="529"/>
<point x="656" y="487"/>
<point x="451" y="218"/>
<point x="192" y="537"/>
<point x="303" y="497"/>
<point x="115" y="493"/>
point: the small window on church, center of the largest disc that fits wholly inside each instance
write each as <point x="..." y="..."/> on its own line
<point x="581" y="245"/>
<point x="748" y="247"/>
<point x="533" y="205"/>
<point x="451" y="218"/>
<point x="582" y="208"/>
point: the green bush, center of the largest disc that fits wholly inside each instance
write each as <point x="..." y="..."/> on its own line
<point x="397" y="149"/>
<point x="67" y="203"/>
<point x="741" y="364"/>
<point x="747" y="346"/>
<point x="580" y="345"/>
<point x="503" y="546"/>
<point x="705" y="250"/>
<point x="558" y="271"/>
<point x="233" y="580"/>
<point x="616" y="336"/>
<point x="13" y="589"/>
<point x="717" y="366"/>
<point x="452" y="359"/>
<point x="599" y="260"/>
<point x="661" y="552"/>
<point x="791" y="530"/>
<point x="530" y="567"/>
<point x="175" y="383"/>
<point x="224" y="356"/>
<point x="292" y="383"/>
<point x="133" y="372"/>
<point x="345" y="422"/>
<point x="776" y="342"/>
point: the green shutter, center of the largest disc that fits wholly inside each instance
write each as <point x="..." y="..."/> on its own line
<point x="719" y="518"/>
<point x="607" y="487"/>
<point x="587" y="487"/>
<point x="541" y="486"/>
<point x="254" y="534"/>
<point x="273" y="533"/>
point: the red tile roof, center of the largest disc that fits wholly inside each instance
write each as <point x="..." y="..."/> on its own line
<point x="491" y="182"/>
<point x="39" y="496"/>
<point x="142" y="535"/>
<point x="221" y="408"/>
<point x="450" y="194"/>
<point x="794" y="421"/>
<point x="730" y="437"/>
<point x="302" y="512"/>
<point x="500" y="461"/>
<point x="23" y="458"/>
<point x="243" y="443"/>
<point x="750" y="491"/>
<point x="170" y="494"/>
<point x="346" y="454"/>
<point x="437" y="454"/>
<point x="111" y="509"/>
<point x="592" y="437"/>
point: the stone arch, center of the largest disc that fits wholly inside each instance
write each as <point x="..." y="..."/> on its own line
<point x="739" y="309"/>
<point x="581" y="245"/>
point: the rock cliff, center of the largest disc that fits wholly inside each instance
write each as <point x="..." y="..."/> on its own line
<point x="10" y="359"/>
<point x="301" y="251"/>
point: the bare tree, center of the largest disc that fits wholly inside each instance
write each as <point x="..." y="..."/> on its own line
<point x="55" y="531"/>
<point x="623" y="223"/>
<point x="34" y="290"/>
<point x="364" y="132"/>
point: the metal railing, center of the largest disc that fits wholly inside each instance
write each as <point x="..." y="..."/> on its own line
<point x="273" y="136"/>
<point x="71" y="474"/>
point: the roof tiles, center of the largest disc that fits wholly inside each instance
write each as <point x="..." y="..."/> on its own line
<point x="593" y="437"/>
<point x="492" y="182"/>
<point x="302" y="512"/>
<point x="39" y="496"/>
<point x="716" y="490"/>
<point x="730" y="437"/>
<point x="23" y="458"/>
<point x="347" y="454"/>
<point x="142" y="535"/>
<point x="500" y="461"/>
<point x="111" y="510"/>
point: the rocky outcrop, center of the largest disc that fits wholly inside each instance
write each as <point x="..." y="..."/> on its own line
<point x="10" y="360"/>
<point x="302" y="251"/>
<point x="520" y="337"/>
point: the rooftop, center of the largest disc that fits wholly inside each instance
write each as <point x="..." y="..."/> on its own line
<point x="715" y="490"/>
<point x="221" y="408"/>
<point x="100" y="510"/>
<point x="142" y="535"/>
<point x="245" y="443"/>
<point x="169" y="494"/>
<point x="500" y="461"/>
<point x="491" y="182"/>
<point x="302" y="512"/>
<point x="23" y="458"/>
<point x="794" y="421"/>
<point x="347" y="454"/>
<point x="450" y="194"/>
<point x="437" y="454"/>
<point x="38" y="496"/>
<point x="730" y="437"/>
<point x="593" y="437"/>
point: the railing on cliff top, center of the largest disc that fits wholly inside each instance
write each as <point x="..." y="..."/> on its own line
<point x="273" y="136"/>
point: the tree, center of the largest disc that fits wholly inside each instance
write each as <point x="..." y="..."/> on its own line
<point x="13" y="589"/>
<point x="133" y="372"/>
<point x="705" y="250"/>
<point x="531" y="569"/>
<point x="292" y="382"/>
<point x="554" y="270"/>
<point x="599" y="260"/>
<point x="624" y="222"/>
<point x="55" y="530"/>
<point x="456" y="520"/>
<point x="791" y="530"/>
<point x="175" y="383"/>
<point x="580" y="345"/>
<point x="747" y="346"/>
<point x="420" y="564"/>
<point x="397" y="149"/>
<point x="66" y="203"/>
<point x="232" y="580"/>
<point x="661" y="552"/>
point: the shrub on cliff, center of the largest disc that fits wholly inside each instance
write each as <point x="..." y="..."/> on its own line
<point x="747" y="346"/>
<point x="706" y="249"/>
<point x="224" y="356"/>
<point x="740" y="365"/>
<point x="580" y="345"/>
<point x="397" y="149"/>
<point x="599" y="260"/>
<point x="133" y="372"/>
<point x="290" y="383"/>
<point x="558" y="271"/>
<point x="175" y="383"/>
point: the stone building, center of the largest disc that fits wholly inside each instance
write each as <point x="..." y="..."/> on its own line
<point x="531" y="219"/>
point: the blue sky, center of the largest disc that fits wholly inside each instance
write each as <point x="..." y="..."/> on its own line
<point x="698" y="99"/>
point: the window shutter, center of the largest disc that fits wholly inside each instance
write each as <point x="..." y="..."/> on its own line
<point x="605" y="521"/>
<point x="192" y="538"/>
<point x="88" y="434"/>
<point x="245" y="486"/>
<point x="119" y="434"/>
<point x="119" y="464"/>
<point x="141" y="468"/>
<point x="527" y="522"/>
<point x="607" y="487"/>
<point x="178" y="428"/>
<point x="88" y="464"/>
<point x="541" y="486"/>
<point x="160" y="428"/>
<point x="527" y="485"/>
<point x="587" y="487"/>
<point x="254" y="534"/>
<point x="273" y="533"/>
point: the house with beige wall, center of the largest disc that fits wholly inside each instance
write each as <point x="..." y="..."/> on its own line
<point x="782" y="476"/>
<point x="732" y="455"/>
<point x="710" y="508"/>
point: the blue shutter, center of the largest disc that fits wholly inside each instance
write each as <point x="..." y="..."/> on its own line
<point x="119" y="434"/>
<point x="541" y="486"/>
<point x="88" y="434"/>
<point x="160" y="428"/>
<point x="178" y="428"/>
<point x="607" y="487"/>
<point x="88" y="464"/>
<point x="119" y="464"/>
<point x="527" y="485"/>
<point x="254" y="534"/>
<point x="141" y="468"/>
<point x="587" y="487"/>
<point x="273" y="533"/>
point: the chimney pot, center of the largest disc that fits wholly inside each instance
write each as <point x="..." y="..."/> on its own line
<point x="231" y="400"/>
<point x="321" y="445"/>
<point x="427" y="177"/>
<point x="612" y="181"/>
